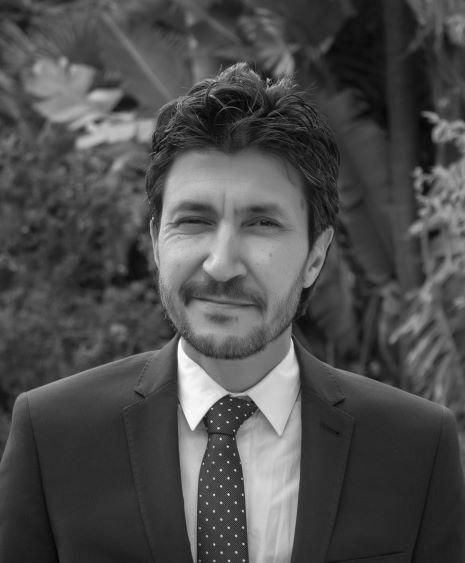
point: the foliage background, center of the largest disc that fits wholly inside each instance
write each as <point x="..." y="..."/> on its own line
<point x="80" y="83"/>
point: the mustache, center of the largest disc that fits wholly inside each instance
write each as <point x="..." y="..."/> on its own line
<point x="232" y="289"/>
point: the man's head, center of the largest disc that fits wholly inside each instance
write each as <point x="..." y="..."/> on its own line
<point x="231" y="144"/>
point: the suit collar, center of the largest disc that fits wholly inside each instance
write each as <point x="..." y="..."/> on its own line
<point x="159" y="371"/>
<point x="317" y="378"/>
<point x="326" y="438"/>
<point x="152" y="433"/>
<point x="151" y="426"/>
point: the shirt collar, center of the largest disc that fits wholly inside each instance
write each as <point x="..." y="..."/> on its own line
<point x="274" y="395"/>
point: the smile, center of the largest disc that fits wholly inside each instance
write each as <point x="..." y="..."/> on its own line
<point x="223" y="302"/>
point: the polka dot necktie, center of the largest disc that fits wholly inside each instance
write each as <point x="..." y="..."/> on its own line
<point x="221" y="518"/>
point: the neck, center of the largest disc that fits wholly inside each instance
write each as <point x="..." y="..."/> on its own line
<point x="239" y="375"/>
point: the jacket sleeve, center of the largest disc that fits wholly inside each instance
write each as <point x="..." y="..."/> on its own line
<point x="442" y="531"/>
<point x="25" y="531"/>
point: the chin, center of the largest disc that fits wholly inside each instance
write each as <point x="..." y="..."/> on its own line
<point x="228" y="347"/>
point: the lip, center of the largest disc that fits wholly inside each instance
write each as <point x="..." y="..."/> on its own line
<point x="225" y="302"/>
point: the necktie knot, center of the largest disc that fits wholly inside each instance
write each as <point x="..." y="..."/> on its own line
<point x="227" y="415"/>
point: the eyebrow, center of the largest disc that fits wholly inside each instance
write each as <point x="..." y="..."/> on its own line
<point x="194" y="206"/>
<point x="258" y="209"/>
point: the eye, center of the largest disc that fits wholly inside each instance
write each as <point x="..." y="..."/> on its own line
<point x="192" y="224"/>
<point x="193" y="221"/>
<point x="264" y="222"/>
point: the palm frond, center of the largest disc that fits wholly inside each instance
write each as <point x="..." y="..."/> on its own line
<point x="151" y="72"/>
<point x="72" y="34"/>
<point x="309" y="23"/>
<point x="17" y="50"/>
<point x="433" y="324"/>
<point x="440" y="18"/>
<point x="200" y="10"/>
<point x="265" y="31"/>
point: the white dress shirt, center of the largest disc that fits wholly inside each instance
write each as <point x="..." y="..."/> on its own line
<point x="269" y="446"/>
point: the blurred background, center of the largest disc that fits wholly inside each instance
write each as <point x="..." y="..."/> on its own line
<point x="80" y="84"/>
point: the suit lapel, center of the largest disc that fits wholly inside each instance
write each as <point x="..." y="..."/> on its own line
<point x="151" y="427"/>
<point x="152" y="432"/>
<point x="326" y="436"/>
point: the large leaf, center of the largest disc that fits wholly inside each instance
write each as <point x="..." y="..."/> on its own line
<point x="16" y="49"/>
<point x="437" y="17"/>
<point x="365" y="184"/>
<point x="118" y="128"/>
<point x="151" y="72"/>
<point x="64" y="90"/>
<point x="145" y="10"/>
<point x="71" y="33"/>
<point x="201" y="11"/>
<point x="309" y="22"/>
<point x="266" y="31"/>
<point x="433" y="324"/>
<point x="9" y="106"/>
<point x="59" y="79"/>
<point x="215" y="39"/>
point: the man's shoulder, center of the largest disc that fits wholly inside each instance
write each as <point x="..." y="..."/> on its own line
<point x="383" y="418"/>
<point x="88" y="407"/>
<point x="123" y="369"/>
<point x="391" y="412"/>
<point x="108" y="385"/>
<point x="355" y="390"/>
<point x="373" y="401"/>
<point x="362" y="390"/>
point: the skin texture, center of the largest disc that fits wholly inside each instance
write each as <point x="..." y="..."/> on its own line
<point x="233" y="257"/>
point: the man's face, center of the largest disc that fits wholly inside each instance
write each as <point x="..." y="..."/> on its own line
<point x="232" y="250"/>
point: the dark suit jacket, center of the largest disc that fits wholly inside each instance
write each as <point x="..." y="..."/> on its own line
<point x="91" y="472"/>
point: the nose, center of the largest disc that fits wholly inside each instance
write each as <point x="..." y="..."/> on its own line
<point x="224" y="260"/>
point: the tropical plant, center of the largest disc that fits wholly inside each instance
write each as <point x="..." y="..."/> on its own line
<point x="76" y="288"/>
<point x="91" y="75"/>
<point x="441" y="30"/>
<point x="96" y="69"/>
<point x="434" y="322"/>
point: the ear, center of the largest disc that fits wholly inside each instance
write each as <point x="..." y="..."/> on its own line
<point x="317" y="256"/>
<point x="154" y="237"/>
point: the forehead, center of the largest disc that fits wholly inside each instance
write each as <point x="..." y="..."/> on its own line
<point x="240" y="180"/>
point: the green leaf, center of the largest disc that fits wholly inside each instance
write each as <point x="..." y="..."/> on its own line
<point x="420" y="346"/>
<point x="150" y="71"/>
<point x="116" y="129"/>
<point x="59" y="79"/>
<point x="441" y="380"/>
<point x="365" y="184"/>
<point x="199" y="9"/>
<point x="266" y="32"/>
<point x="17" y="49"/>
<point x="64" y="92"/>
<point x="430" y="360"/>
<point x="309" y="22"/>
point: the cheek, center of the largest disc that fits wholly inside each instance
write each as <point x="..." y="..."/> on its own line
<point x="287" y="260"/>
<point x="176" y="260"/>
<point x="278" y="269"/>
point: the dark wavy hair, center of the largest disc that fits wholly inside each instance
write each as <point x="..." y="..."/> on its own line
<point x="237" y="110"/>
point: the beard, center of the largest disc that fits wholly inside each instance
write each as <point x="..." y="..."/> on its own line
<point x="233" y="347"/>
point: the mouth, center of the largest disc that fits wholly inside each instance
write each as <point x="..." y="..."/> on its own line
<point x="225" y="302"/>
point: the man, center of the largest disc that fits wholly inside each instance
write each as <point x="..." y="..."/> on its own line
<point x="233" y="443"/>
